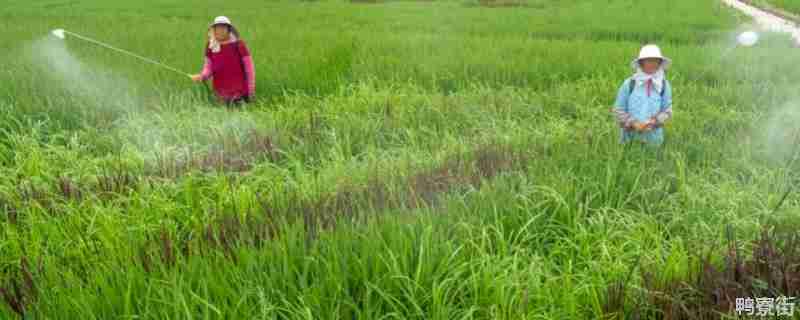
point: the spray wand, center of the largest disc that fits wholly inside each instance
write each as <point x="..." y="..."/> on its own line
<point x="61" y="34"/>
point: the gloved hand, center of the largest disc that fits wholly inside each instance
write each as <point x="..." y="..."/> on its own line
<point x="639" y="126"/>
<point x="651" y="124"/>
<point x="646" y="126"/>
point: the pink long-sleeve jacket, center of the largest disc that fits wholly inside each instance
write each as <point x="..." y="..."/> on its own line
<point x="232" y="71"/>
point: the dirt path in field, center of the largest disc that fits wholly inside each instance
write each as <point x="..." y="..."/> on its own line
<point x="768" y="21"/>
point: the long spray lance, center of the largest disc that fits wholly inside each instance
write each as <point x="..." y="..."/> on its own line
<point x="61" y="34"/>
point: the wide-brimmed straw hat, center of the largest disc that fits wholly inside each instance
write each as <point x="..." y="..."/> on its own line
<point x="651" y="51"/>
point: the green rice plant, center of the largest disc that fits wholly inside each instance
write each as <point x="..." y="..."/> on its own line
<point x="424" y="160"/>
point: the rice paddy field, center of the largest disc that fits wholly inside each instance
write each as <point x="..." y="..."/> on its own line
<point x="403" y="160"/>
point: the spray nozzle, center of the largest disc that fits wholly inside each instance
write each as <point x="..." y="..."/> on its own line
<point x="748" y="38"/>
<point x="58" y="33"/>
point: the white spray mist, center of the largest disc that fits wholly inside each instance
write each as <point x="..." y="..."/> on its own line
<point x="139" y="127"/>
<point x="94" y="87"/>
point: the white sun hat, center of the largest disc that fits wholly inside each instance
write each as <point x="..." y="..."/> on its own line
<point x="225" y="21"/>
<point x="651" y="51"/>
<point x="222" y="20"/>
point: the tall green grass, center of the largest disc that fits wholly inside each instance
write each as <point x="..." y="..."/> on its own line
<point x="424" y="160"/>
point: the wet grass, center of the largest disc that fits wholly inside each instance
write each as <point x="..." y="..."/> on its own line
<point x="404" y="159"/>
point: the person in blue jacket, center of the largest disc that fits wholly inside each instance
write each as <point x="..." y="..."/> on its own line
<point x="644" y="101"/>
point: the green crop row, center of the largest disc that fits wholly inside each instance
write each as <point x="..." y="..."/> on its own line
<point x="404" y="159"/>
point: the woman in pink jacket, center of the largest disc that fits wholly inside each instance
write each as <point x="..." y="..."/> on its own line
<point x="228" y="63"/>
